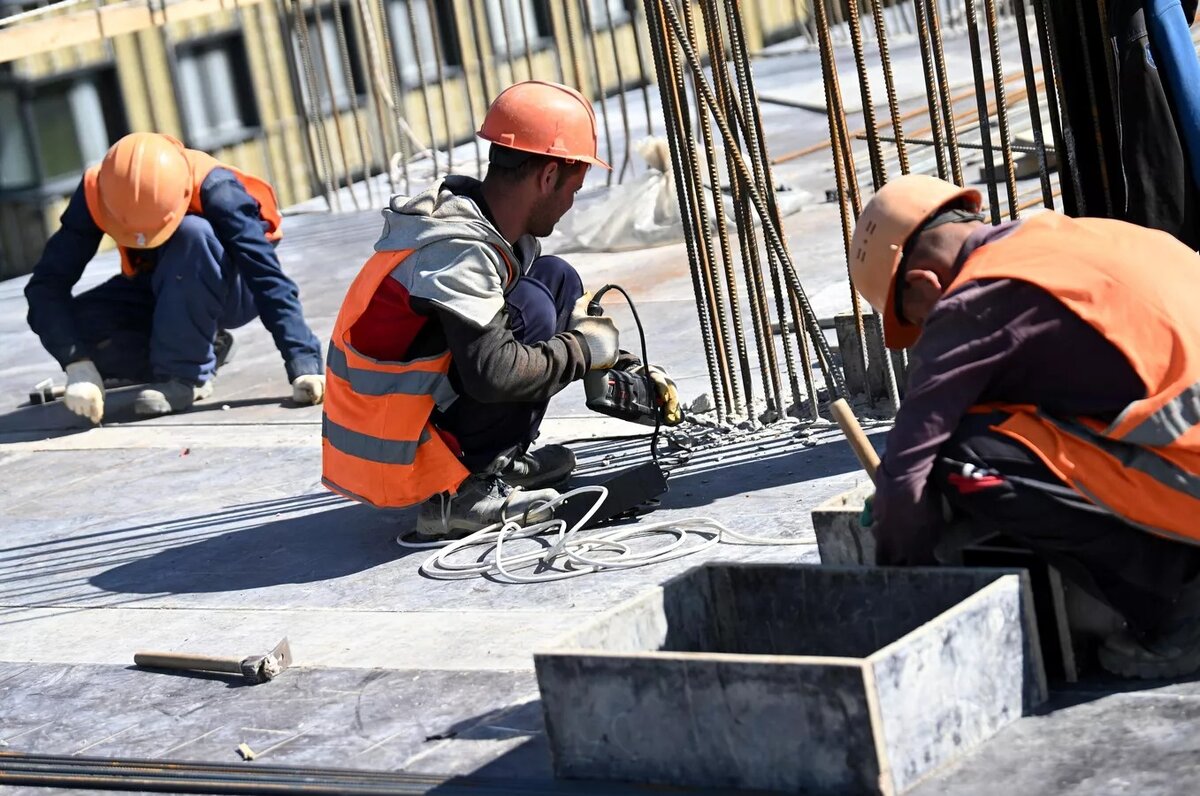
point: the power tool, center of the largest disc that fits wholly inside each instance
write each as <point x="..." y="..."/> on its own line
<point x="619" y="393"/>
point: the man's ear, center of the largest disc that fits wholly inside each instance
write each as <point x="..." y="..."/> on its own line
<point x="548" y="177"/>
<point x="919" y="277"/>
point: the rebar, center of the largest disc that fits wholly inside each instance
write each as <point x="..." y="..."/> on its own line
<point x="985" y="124"/>
<point x="931" y="91"/>
<point x="1035" y="111"/>
<point x="1010" y="174"/>
<point x="943" y="84"/>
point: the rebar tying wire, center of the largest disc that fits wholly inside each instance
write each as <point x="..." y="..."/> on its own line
<point x="359" y="134"/>
<point x="832" y="375"/>
<point x="314" y="103"/>
<point x="931" y="90"/>
<point x="943" y="83"/>
<point x="669" y="88"/>
<point x="419" y="62"/>
<point x="1010" y="174"/>
<point x="589" y="35"/>
<point x="1035" y="111"/>
<point x="334" y="111"/>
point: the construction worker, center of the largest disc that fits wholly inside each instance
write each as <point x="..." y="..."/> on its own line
<point x="457" y="332"/>
<point x="1054" y="399"/>
<point x="197" y="243"/>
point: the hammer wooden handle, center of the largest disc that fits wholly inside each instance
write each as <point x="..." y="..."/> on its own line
<point x="175" y="660"/>
<point x="859" y="443"/>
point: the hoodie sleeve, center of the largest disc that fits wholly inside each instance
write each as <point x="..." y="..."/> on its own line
<point x="495" y="367"/>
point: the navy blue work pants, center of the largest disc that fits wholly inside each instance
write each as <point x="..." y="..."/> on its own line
<point x="161" y="324"/>
<point x="539" y="307"/>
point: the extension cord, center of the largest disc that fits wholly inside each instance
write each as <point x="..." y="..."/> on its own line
<point x="572" y="554"/>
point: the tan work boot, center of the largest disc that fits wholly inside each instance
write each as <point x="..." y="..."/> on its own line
<point x="482" y="500"/>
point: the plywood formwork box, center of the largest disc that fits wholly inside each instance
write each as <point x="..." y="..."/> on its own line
<point x="793" y="678"/>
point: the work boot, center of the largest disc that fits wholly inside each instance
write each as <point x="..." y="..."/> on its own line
<point x="482" y="500"/>
<point x="1173" y="651"/>
<point x="169" y="396"/>
<point x="549" y="465"/>
<point x="224" y="347"/>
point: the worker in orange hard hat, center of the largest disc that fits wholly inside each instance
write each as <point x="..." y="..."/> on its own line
<point x="1055" y="400"/>
<point x="457" y="332"/>
<point x="197" y="244"/>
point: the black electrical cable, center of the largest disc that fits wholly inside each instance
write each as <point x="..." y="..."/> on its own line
<point x="594" y="309"/>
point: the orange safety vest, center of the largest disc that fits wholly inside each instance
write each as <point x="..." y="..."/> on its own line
<point x="1138" y="288"/>
<point x="202" y="164"/>
<point x="378" y="445"/>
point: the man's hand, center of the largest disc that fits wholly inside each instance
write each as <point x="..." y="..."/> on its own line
<point x="85" y="390"/>
<point x="867" y="518"/>
<point x="600" y="335"/>
<point x="668" y="395"/>
<point x="308" y="389"/>
<point x="579" y="311"/>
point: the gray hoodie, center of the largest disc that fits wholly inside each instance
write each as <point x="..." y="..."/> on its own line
<point x="458" y="274"/>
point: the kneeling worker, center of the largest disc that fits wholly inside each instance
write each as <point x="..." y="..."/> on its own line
<point x="1055" y="399"/>
<point x="197" y="243"/>
<point x="457" y="332"/>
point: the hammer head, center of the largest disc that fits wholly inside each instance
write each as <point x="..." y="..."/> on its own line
<point x="261" y="668"/>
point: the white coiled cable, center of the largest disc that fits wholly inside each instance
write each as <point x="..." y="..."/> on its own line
<point x="570" y="553"/>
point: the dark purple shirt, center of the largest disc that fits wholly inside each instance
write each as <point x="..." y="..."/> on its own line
<point x="990" y="340"/>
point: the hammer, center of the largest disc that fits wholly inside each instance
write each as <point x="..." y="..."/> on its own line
<point x="253" y="669"/>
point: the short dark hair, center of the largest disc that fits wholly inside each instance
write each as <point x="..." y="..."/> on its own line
<point x="513" y="165"/>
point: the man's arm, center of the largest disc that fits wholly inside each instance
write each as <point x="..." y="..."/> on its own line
<point x="494" y="367"/>
<point x="959" y="351"/>
<point x="234" y="216"/>
<point x="48" y="292"/>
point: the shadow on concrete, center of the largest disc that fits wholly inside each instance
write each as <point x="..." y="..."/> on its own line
<point x="230" y="680"/>
<point x="322" y="545"/>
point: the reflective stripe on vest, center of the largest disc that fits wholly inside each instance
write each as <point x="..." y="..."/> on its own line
<point x="375" y="382"/>
<point x="373" y="449"/>
<point x="1165" y="426"/>
<point x="1136" y="287"/>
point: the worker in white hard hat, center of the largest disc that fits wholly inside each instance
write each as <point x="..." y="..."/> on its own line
<point x="1054" y="399"/>
<point x="457" y="332"/>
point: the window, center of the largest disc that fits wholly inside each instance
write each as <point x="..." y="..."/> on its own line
<point x="51" y="129"/>
<point x="414" y="70"/>
<point x="602" y="9"/>
<point x="325" y="52"/>
<point x="537" y="20"/>
<point x="215" y="93"/>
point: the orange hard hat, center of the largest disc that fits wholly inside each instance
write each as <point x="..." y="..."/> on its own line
<point x="887" y="222"/>
<point x="545" y="119"/>
<point x="145" y="185"/>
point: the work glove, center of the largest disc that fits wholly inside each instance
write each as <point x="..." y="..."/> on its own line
<point x="668" y="395"/>
<point x="600" y="335"/>
<point x="867" y="518"/>
<point x="308" y="389"/>
<point x="579" y="311"/>
<point x="85" y="390"/>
